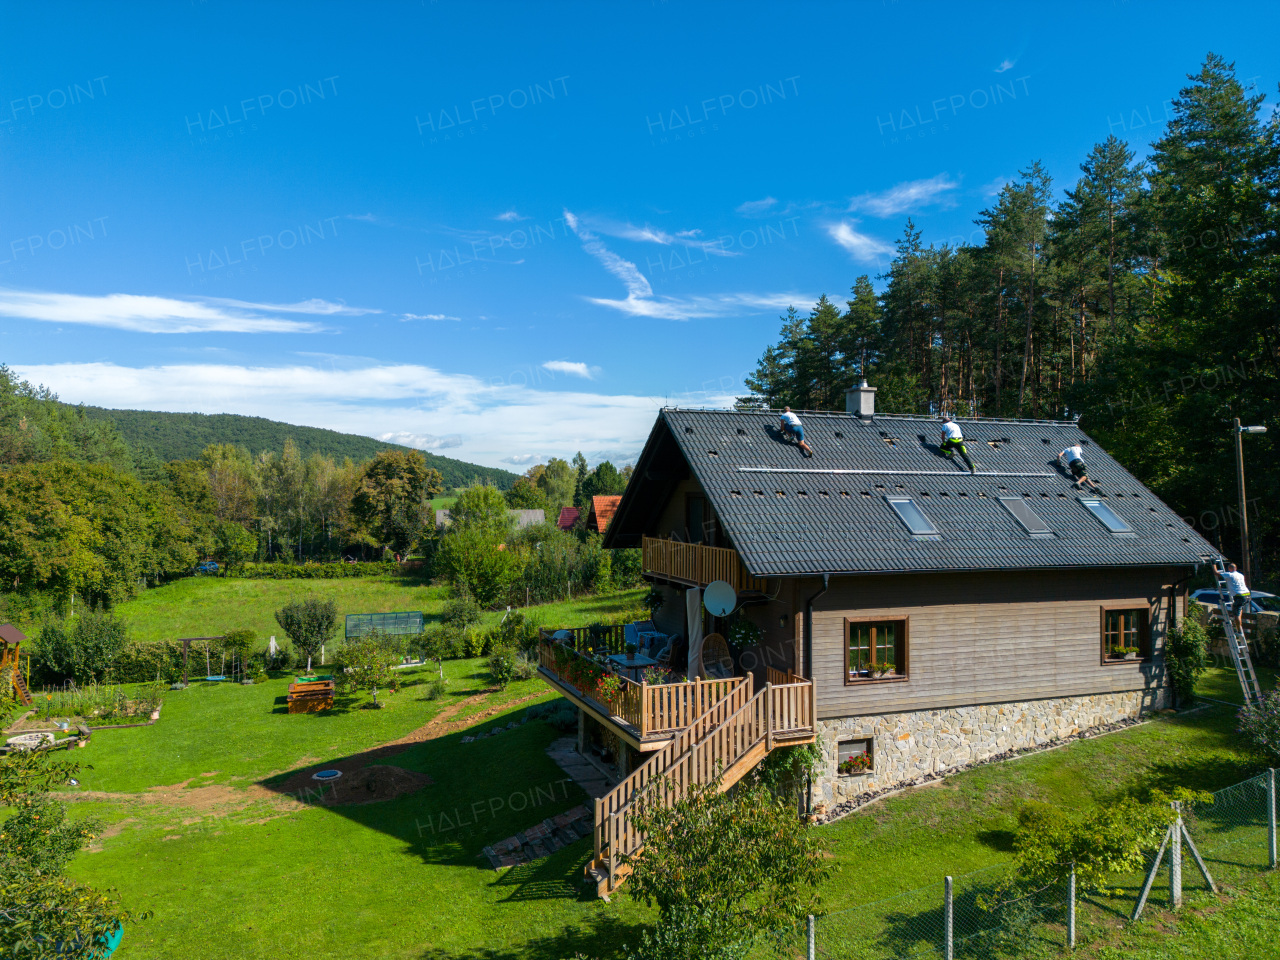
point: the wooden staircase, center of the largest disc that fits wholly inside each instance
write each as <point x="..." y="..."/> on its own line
<point x="20" y="685"/>
<point x="725" y="742"/>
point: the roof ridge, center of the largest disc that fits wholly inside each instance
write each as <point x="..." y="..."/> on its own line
<point x="878" y="416"/>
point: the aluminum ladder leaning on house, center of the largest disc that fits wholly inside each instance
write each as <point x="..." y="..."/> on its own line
<point x="1238" y="644"/>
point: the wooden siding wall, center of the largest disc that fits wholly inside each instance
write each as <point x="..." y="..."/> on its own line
<point x="986" y="638"/>
<point x="672" y="522"/>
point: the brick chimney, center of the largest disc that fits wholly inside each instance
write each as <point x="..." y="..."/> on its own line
<point x="861" y="400"/>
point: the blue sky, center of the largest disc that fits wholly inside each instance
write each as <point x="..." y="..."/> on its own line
<point x="505" y="232"/>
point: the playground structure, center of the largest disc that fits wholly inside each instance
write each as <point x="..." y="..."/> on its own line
<point x="10" y="672"/>
<point x="237" y="658"/>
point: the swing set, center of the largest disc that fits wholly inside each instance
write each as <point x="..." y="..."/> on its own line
<point x="237" y="672"/>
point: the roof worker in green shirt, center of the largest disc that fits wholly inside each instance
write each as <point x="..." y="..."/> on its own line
<point x="953" y="442"/>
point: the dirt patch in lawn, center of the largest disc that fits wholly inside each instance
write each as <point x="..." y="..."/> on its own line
<point x="443" y="724"/>
<point x="360" y="782"/>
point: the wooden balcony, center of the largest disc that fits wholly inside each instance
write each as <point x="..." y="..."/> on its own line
<point x="646" y="715"/>
<point x="696" y="565"/>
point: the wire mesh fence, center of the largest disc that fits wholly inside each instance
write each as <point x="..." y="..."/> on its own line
<point x="980" y="915"/>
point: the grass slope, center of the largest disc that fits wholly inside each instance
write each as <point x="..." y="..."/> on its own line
<point x="183" y="436"/>
<point x="209" y="606"/>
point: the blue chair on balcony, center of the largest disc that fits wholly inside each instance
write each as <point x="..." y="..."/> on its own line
<point x="644" y="635"/>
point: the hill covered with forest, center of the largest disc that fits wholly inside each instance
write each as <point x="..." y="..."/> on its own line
<point x="184" y="436"/>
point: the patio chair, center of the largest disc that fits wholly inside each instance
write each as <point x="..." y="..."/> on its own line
<point x="717" y="662"/>
<point x="643" y="634"/>
<point x="666" y="646"/>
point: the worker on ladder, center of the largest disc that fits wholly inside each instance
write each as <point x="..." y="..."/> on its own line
<point x="1239" y="595"/>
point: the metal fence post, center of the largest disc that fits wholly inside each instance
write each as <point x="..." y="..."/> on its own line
<point x="812" y="953"/>
<point x="1271" y="814"/>
<point x="1071" y="909"/>
<point x="1175" y="862"/>
<point x="949" y="913"/>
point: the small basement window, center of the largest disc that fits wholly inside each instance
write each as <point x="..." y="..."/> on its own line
<point x="855" y="757"/>
<point x="1030" y="520"/>
<point x="913" y="517"/>
<point x="875" y="650"/>
<point x="1106" y="516"/>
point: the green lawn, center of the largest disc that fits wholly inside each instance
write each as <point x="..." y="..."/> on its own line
<point x="209" y="606"/>
<point x="231" y="868"/>
<point x="334" y="874"/>
<point x="1244" y="927"/>
<point x="229" y="733"/>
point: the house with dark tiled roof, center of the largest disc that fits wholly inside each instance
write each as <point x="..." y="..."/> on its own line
<point x="568" y="517"/>
<point x="937" y="617"/>
<point x="602" y="510"/>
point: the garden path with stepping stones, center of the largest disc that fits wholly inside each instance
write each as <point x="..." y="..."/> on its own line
<point x="550" y="835"/>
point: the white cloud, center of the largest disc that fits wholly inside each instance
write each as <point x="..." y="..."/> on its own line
<point x="427" y="316"/>
<point x="509" y="216"/>
<point x="756" y="208"/>
<point x="314" y="306"/>
<point x="1005" y="65"/>
<point x="624" y="270"/>
<point x="571" y="369"/>
<point x="147" y="314"/>
<point x="993" y="188"/>
<point x="491" y="422"/>
<point x="521" y="459"/>
<point x="650" y="234"/>
<point x="698" y="308"/>
<point x="860" y="246"/>
<point x="421" y="441"/>
<point x="906" y="197"/>
<point x="640" y="301"/>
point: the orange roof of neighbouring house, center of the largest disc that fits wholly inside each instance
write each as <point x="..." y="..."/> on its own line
<point x="11" y="634"/>
<point x="568" y="517"/>
<point x="602" y="510"/>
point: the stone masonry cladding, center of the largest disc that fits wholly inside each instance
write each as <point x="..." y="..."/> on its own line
<point x="907" y="746"/>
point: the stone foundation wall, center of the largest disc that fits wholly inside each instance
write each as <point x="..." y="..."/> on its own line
<point x="910" y="745"/>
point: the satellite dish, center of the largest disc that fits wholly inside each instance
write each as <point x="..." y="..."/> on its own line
<point x="719" y="598"/>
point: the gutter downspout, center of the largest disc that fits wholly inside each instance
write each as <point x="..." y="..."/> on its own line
<point x="808" y="626"/>
<point x="808" y="670"/>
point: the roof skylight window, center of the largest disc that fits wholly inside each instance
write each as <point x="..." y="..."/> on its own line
<point x="913" y="517"/>
<point x="1108" y="517"/>
<point x="1030" y="520"/>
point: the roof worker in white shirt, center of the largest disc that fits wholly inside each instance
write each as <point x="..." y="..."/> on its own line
<point x="1073" y="457"/>
<point x="793" y="429"/>
<point x="953" y="442"/>
<point x="1239" y="595"/>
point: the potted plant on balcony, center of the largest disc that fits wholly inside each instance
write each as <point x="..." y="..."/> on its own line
<point x="608" y="689"/>
<point x="655" y="676"/>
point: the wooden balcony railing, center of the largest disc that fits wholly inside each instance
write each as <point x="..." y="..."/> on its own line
<point x="653" y="709"/>
<point x="721" y="746"/>
<point x="697" y="564"/>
